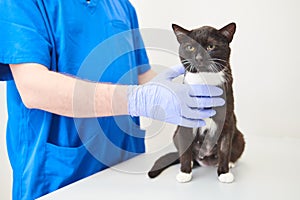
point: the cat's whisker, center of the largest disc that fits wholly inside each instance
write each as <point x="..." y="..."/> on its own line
<point x="213" y="67"/>
<point x="218" y="63"/>
<point x="193" y="67"/>
<point x="217" y="59"/>
<point x="187" y="64"/>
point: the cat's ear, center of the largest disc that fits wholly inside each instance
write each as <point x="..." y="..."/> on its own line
<point x="179" y="32"/>
<point x="228" y="31"/>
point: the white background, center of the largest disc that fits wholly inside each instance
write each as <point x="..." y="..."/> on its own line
<point x="264" y="61"/>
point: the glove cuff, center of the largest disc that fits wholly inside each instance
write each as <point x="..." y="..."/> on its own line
<point x="132" y="100"/>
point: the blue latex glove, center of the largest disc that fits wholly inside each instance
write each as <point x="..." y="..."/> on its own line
<point x="175" y="103"/>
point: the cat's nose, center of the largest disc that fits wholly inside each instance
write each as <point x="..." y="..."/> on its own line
<point x="199" y="58"/>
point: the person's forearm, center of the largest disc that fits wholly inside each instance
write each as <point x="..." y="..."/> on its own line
<point x="68" y="96"/>
<point x="147" y="76"/>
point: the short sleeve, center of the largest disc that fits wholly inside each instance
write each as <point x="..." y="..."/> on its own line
<point x="23" y="35"/>
<point x="141" y="55"/>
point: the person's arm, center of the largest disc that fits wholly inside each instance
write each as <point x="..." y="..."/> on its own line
<point x="159" y="99"/>
<point x="65" y="95"/>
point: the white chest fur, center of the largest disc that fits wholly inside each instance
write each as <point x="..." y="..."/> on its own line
<point x="210" y="126"/>
<point x="207" y="78"/>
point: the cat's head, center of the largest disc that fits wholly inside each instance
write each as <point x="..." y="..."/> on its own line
<point x="205" y="49"/>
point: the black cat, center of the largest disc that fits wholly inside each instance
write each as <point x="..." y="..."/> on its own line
<point x="205" y="54"/>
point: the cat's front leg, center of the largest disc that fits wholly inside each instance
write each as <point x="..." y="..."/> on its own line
<point x="185" y="174"/>
<point x="224" y="152"/>
<point x="183" y="140"/>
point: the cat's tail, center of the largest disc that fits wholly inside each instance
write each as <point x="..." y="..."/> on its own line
<point x="163" y="163"/>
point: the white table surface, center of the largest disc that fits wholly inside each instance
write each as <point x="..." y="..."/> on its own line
<point x="269" y="169"/>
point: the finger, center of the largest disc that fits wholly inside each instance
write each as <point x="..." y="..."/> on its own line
<point x="174" y="71"/>
<point x="191" y="123"/>
<point x="204" y="102"/>
<point x="205" y="90"/>
<point x="197" y="114"/>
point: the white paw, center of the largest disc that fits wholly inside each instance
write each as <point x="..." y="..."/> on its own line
<point x="231" y="165"/>
<point x="226" y="178"/>
<point x="183" y="177"/>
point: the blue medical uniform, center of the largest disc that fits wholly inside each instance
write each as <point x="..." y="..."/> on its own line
<point x="49" y="151"/>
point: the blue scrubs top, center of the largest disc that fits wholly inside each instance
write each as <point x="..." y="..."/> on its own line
<point x="49" y="151"/>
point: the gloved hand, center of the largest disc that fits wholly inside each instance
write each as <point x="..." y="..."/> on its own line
<point x="181" y="104"/>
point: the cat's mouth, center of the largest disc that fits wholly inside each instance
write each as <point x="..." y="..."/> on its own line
<point x="197" y="68"/>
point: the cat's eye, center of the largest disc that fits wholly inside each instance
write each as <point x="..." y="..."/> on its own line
<point x="210" y="47"/>
<point x="190" y="48"/>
